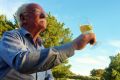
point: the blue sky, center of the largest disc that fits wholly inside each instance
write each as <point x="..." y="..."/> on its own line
<point x="104" y="15"/>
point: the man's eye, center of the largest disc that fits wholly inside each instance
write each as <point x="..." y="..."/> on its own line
<point x="42" y="15"/>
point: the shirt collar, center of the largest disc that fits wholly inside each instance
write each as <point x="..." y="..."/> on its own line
<point x="24" y="31"/>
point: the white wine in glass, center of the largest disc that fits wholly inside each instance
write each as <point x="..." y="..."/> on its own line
<point x="85" y="29"/>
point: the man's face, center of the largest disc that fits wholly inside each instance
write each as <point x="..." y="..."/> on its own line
<point x="35" y="16"/>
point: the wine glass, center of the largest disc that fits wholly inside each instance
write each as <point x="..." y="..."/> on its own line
<point x="85" y="28"/>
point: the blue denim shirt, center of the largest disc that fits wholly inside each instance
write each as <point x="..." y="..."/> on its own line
<point x="20" y="57"/>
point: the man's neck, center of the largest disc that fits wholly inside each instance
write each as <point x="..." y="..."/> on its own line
<point x="34" y="33"/>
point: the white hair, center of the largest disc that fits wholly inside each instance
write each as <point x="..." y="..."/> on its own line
<point x="20" y="10"/>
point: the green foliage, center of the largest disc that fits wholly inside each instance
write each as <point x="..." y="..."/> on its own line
<point x="80" y="77"/>
<point x="113" y="71"/>
<point x="97" y="72"/>
<point x="62" y="71"/>
<point x="5" y="25"/>
<point x="55" y="34"/>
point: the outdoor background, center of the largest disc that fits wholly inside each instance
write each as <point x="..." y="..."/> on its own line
<point x="104" y="15"/>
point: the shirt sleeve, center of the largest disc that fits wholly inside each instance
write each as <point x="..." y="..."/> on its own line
<point x="18" y="56"/>
<point x="11" y="47"/>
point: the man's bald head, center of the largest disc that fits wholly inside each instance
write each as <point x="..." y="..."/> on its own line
<point x="25" y="8"/>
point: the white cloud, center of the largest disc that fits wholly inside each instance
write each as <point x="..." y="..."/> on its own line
<point x="87" y="60"/>
<point x="82" y="71"/>
<point x="98" y="60"/>
<point x="83" y="65"/>
<point x="115" y="43"/>
<point x="8" y="8"/>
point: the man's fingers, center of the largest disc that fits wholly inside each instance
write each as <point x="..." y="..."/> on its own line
<point x="93" y="39"/>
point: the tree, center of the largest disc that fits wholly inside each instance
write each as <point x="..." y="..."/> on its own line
<point x="62" y="71"/>
<point x="80" y="77"/>
<point x="5" y="24"/>
<point x="97" y="72"/>
<point x="55" y="34"/>
<point x="113" y="71"/>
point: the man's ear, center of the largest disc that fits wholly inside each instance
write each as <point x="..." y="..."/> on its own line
<point x="22" y="18"/>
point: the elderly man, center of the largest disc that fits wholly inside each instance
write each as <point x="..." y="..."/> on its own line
<point x="21" y="51"/>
